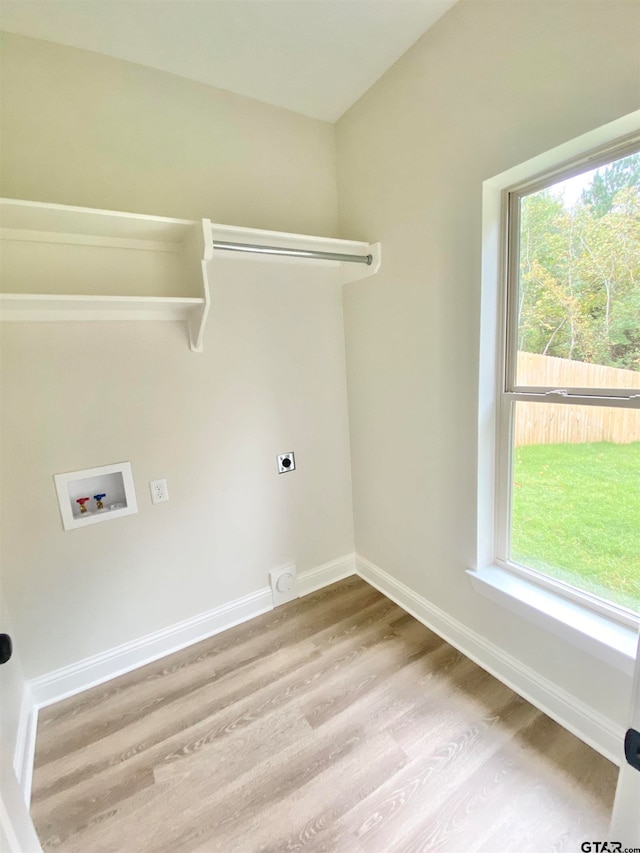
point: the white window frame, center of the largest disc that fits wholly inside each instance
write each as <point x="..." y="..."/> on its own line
<point x="605" y="630"/>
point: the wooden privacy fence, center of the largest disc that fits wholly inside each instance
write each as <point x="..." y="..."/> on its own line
<point x="554" y="423"/>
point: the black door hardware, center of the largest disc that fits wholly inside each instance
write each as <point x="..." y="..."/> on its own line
<point x="6" y="648"/>
<point x="632" y="748"/>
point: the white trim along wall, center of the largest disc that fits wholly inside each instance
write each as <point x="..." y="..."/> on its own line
<point x="69" y="680"/>
<point x="596" y="730"/>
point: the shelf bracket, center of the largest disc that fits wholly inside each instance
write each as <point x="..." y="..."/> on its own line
<point x="199" y="249"/>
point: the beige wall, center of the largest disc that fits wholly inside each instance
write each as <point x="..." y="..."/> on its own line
<point x="491" y="85"/>
<point x="83" y="129"/>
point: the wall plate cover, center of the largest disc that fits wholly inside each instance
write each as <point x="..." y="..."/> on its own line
<point x="159" y="491"/>
<point x="284" y="584"/>
<point x="286" y="462"/>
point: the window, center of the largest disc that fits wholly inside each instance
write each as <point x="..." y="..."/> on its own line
<point x="568" y="400"/>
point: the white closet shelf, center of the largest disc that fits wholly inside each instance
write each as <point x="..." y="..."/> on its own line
<point x="306" y="243"/>
<point x="53" y="253"/>
<point x="34" y="216"/>
<point x="37" y="307"/>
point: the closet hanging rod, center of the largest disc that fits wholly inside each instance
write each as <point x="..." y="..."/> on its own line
<point x="293" y="253"/>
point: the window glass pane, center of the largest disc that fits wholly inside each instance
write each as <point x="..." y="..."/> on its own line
<point x="578" y="301"/>
<point x="575" y="507"/>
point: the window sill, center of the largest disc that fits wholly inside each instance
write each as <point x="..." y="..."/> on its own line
<point x="594" y="633"/>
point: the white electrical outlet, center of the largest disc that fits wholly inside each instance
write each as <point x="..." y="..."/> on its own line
<point x="284" y="584"/>
<point x="159" y="492"/>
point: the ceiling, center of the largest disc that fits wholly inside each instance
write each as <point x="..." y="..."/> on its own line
<point x="316" y="57"/>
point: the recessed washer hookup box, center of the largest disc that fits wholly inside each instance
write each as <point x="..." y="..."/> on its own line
<point x="95" y="494"/>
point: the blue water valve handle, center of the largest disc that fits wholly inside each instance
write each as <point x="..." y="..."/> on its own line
<point x="98" y="500"/>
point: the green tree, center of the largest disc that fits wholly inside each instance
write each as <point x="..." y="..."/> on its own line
<point x="609" y="180"/>
<point x="540" y="310"/>
<point x="609" y="271"/>
<point x="579" y="288"/>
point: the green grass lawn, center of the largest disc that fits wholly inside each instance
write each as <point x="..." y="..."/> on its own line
<point x="576" y="516"/>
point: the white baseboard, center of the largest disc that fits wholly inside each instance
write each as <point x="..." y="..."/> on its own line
<point x="328" y="573"/>
<point x="593" y="728"/>
<point x="80" y="676"/>
<point x="72" y="679"/>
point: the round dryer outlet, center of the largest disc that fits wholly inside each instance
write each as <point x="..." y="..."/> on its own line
<point x="283" y="584"/>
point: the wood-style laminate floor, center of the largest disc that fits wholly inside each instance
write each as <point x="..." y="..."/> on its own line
<point x="334" y="724"/>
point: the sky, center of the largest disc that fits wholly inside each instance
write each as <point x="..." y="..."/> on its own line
<point x="572" y="188"/>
